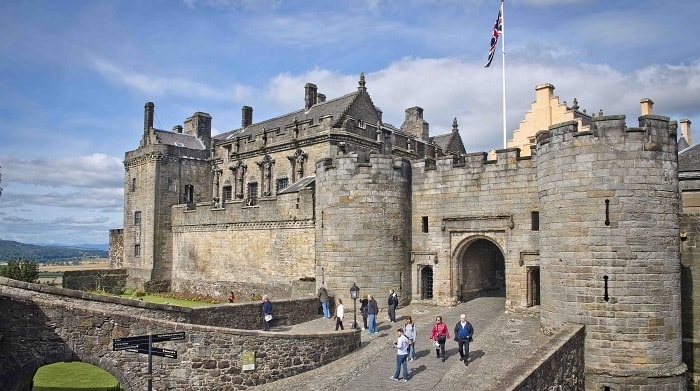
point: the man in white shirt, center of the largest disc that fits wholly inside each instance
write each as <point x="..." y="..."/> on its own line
<point x="401" y="356"/>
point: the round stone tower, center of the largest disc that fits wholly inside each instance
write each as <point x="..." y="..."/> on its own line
<point x="363" y="226"/>
<point x="609" y="248"/>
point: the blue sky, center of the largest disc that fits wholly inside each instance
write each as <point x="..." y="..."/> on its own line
<point x="75" y="76"/>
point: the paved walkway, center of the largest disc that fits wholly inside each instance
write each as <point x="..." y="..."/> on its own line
<point x="502" y="340"/>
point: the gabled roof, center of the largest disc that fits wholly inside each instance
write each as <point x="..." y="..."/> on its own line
<point x="335" y="107"/>
<point x="449" y="142"/>
<point x="178" y="139"/>
<point x="689" y="159"/>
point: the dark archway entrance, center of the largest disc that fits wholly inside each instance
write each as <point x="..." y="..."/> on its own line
<point x="426" y="282"/>
<point x="482" y="269"/>
<point x="533" y="286"/>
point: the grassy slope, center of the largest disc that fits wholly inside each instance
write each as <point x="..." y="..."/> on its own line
<point x="72" y="376"/>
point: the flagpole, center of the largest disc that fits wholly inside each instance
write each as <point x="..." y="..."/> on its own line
<point x="503" y="51"/>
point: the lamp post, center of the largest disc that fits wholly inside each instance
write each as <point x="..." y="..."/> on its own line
<point x="354" y="290"/>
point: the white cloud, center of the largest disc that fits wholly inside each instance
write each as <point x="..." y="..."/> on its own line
<point x="161" y="86"/>
<point x="92" y="171"/>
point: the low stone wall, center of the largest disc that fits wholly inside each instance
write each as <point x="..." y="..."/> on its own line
<point x="90" y="280"/>
<point x="557" y="366"/>
<point x="42" y="325"/>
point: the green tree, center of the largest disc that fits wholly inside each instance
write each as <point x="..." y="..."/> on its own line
<point x="21" y="269"/>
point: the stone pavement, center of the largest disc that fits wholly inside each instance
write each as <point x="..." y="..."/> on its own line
<point x="502" y="340"/>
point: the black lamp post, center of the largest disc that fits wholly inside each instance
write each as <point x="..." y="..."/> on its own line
<point x="354" y="290"/>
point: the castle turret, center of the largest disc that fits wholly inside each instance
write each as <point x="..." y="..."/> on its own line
<point x="609" y="247"/>
<point x="363" y="227"/>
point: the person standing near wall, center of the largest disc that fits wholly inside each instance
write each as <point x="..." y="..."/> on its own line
<point x="372" y="310"/>
<point x="339" y="314"/>
<point x="266" y="309"/>
<point x="363" y="311"/>
<point x="324" y="299"/>
<point x="392" y="303"/>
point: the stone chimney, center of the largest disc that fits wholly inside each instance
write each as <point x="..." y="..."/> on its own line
<point x="544" y="92"/>
<point x="149" y="110"/>
<point x="685" y="131"/>
<point x="321" y="98"/>
<point x="199" y="125"/>
<point x="310" y="95"/>
<point x="247" y="116"/>
<point x="177" y="129"/>
<point x="647" y="106"/>
<point x="415" y="124"/>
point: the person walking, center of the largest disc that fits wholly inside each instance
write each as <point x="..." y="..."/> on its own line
<point x="392" y="303"/>
<point x="231" y="297"/>
<point x="409" y="330"/>
<point x="372" y="310"/>
<point x="339" y="313"/>
<point x="324" y="299"/>
<point x="440" y="334"/>
<point x="463" y="334"/>
<point x="401" y="346"/>
<point x="266" y="309"/>
<point x="363" y="311"/>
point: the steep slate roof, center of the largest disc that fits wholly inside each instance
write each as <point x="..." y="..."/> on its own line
<point x="689" y="159"/>
<point x="450" y="142"/>
<point x="300" y="184"/>
<point x="335" y="107"/>
<point x="178" y="139"/>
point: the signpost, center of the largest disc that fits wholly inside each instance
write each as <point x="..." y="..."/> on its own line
<point x="144" y="344"/>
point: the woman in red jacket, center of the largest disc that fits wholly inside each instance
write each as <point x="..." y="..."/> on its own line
<point x="440" y="334"/>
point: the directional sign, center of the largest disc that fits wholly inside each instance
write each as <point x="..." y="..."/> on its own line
<point x="134" y="342"/>
<point x="143" y="349"/>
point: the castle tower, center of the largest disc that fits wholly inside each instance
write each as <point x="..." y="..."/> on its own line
<point x="363" y="228"/>
<point x="609" y="247"/>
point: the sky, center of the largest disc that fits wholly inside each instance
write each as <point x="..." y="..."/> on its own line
<point x="75" y="75"/>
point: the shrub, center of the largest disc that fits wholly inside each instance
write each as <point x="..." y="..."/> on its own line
<point x="21" y="269"/>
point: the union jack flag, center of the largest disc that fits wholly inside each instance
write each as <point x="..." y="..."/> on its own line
<point x="497" y="30"/>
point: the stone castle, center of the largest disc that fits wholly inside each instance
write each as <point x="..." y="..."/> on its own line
<point x="582" y="217"/>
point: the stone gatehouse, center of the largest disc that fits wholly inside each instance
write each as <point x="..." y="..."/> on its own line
<point x="580" y="216"/>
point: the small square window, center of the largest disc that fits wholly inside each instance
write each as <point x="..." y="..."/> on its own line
<point x="281" y="184"/>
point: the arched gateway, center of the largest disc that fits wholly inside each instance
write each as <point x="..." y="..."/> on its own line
<point x="480" y="268"/>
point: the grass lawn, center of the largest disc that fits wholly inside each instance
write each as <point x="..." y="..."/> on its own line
<point x="166" y="300"/>
<point x="72" y="376"/>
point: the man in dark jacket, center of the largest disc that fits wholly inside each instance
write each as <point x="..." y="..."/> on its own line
<point x="266" y="309"/>
<point x="372" y="310"/>
<point x="324" y="299"/>
<point x="393" y="302"/>
<point x="463" y="334"/>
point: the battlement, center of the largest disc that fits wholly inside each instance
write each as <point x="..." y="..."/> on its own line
<point x="655" y="132"/>
<point x="374" y="162"/>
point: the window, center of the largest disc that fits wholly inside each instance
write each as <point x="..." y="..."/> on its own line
<point x="252" y="194"/>
<point x="281" y="184"/>
<point x="189" y="194"/>
<point x="226" y="193"/>
<point x="425" y="223"/>
<point x="133" y="185"/>
<point x="137" y="250"/>
<point x="137" y="217"/>
<point x="535" y="216"/>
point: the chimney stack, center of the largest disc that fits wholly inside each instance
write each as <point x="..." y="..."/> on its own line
<point x="321" y="98"/>
<point x="149" y="109"/>
<point x="177" y="129"/>
<point x="647" y="106"/>
<point x="247" y="117"/>
<point x="685" y="131"/>
<point x="310" y="95"/>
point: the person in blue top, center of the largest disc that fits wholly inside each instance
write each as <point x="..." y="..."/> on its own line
<point x="463" y="334"/>
<point x="266" y="308"/>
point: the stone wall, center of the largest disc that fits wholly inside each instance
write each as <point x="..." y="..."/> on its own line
<point x="116" y="248"/>
<point x="91" y="280"/>
<point x="557" y="366"/>
<point x="690" y="271"/>
<point x="43" y="325"/>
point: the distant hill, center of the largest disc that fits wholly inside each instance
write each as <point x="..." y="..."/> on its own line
<point x="50" y="253"/>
